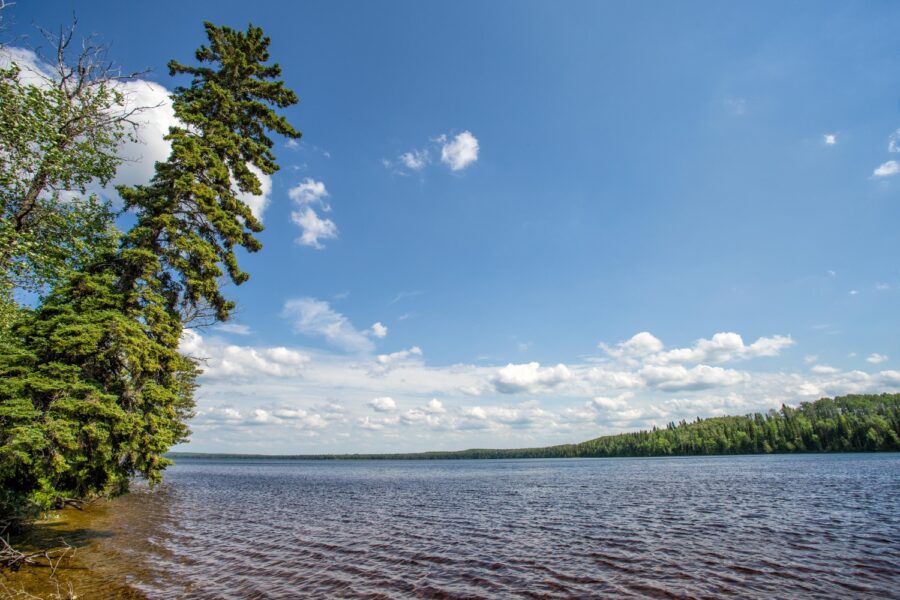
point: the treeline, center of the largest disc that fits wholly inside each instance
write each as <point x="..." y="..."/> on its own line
<point x="857" y="423"/>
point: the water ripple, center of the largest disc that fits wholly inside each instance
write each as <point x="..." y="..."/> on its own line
<point x="759" y="527"/>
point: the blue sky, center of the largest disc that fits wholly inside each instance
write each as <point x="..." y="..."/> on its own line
<point x="551" y="210"/>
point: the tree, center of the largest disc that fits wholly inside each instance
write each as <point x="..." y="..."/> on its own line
<point x="60" y="129"/>
<point x="95" y="390"/>
<point x="190" y="217"/>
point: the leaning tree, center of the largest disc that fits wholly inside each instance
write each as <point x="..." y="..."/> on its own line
<point x="94" y="391"/>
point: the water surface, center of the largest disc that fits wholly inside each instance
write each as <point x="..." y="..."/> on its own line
<point x="762" y="526"/>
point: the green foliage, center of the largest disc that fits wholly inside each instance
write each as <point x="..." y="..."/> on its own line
<point x="190" y="217"/>
<point x="57" y="135"/>
<point x="93" y="389"/>
<point x="90" y="396"/>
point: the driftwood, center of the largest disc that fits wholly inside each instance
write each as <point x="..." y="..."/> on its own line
<point x="61" y="503"/>
<point x="13" y="559"/>
<point x="8" y="593"/>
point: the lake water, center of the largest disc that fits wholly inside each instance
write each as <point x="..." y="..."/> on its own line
<point x="825" y="526"/>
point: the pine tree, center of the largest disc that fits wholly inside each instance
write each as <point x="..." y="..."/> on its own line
<point x="94" y="391"/>
<point x="190" y="217"/>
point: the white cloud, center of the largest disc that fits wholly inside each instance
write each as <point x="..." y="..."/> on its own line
<point x="678" y="378"/>
<point x="230" y="418"/>
<point x="640" y="344"/>
<point x="722" y="347"/>
<point x="283" y="399"/>
<point x="616" y="404"/>
<point x="894" y="142"/>
<point x="383" y="404"/>
<point x="830" y="139"/>
<point x="235" y="328"/>
<point x="229" y="360"/>
<point x="316" y="318"/>
<point x="378" y="330"/>
<point x="887" y="169"/>
<point x="435" y="407"/>
<point x="154" y="117"/>
<point x="415" y="160"/>
<point x="33" y="70"/>
<point x="529" y="377"/>
<point x="493" y="418"/>
<point x="726" y="347"/>
<point x="876" y="358"/>
<point x="308" y="194"/>
<point x="313" y="228"/>
<point x="400" y="356"/>
<point x="258" y="203"/>
<point x="460" y="152"/>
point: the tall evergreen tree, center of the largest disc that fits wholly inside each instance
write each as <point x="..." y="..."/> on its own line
<point x="191" y="217"/>
<point x="95" y="390"/>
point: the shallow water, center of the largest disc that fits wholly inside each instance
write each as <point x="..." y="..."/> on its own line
<point x="761" y="526"/>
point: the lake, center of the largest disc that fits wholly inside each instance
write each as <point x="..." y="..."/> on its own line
<point x="751" y="526"/>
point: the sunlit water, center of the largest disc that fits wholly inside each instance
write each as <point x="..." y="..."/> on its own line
<point x="766" y="526"/>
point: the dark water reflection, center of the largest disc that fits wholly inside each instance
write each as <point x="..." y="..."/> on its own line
<point x="807" y="526"/>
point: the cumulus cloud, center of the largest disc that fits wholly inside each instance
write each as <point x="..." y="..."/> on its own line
<point x="722" y="347"/>
<point x="676" y="378"/>
<point x="282" y="399"/>
<point x="726" y="347"/>
<point x="640" y="344"/>
<point x="460" y="152"/>
<point x="457" y="152"/>
<point x="399" y="356"/>
<point x="619" y="410"/>
<point x="308" y="195"/>
<point x="435" y="407"/>
<point x="310" y="192"/>
<point x="876" y="358"/>
<point x="232" y="418"/>
<point x="313" y="228"/>
<point x="383" y="404"/>
<point x="316" y="318"/>
<point x="229" y="360"/>
<point x="615" y="404"/>
<point x="529" y="377"/>
<point x="493" y="418"/>
<point x="830" y="139"/>
<point x="887" y="169"/>
<point x="378" y="330"/>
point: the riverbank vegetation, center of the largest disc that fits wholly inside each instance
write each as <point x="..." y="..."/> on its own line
<point x="93" y="388"/>
<point x="858" y="423"/>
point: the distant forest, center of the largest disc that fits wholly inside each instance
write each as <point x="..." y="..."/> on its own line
<point x="858" y="423"/>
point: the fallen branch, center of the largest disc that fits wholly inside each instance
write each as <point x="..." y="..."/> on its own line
<point x="61" y="503"/>
<point x="50" y="557"/>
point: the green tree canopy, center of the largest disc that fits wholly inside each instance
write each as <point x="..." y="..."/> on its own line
<point x="94" y="391"/>
<point x="190" y="217"/>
